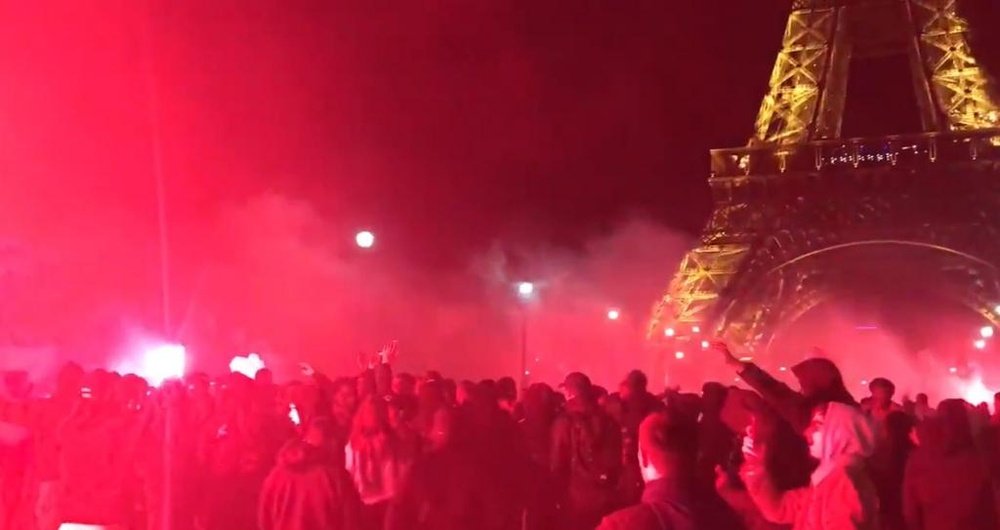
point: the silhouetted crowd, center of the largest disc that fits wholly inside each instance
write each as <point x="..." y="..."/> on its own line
<point x="399" y="452"/>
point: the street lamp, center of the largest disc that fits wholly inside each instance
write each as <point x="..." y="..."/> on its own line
<point x="525" y="291"/>
<point x="614" y="314"/>
<point x="365" y="239"/>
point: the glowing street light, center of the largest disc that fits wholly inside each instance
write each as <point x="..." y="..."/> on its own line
<point x="364" y="239"/>
<point x="986" y="332"/>
<point x="696" y="330"/>
<point x="979" y="344"/>
<point x="705" y="344"/>
<point x="679" y="355"/>
<point x="953" y="370"/>
<point x="525" y="291"/>
<point x="669" y="332"/>
<point x="614" y="314"/>
<point x="163" y="362"/>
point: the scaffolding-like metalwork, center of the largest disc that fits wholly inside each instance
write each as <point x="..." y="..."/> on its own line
<point x="799" y="192"/>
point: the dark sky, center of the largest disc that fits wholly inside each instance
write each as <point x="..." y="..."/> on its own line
<point x="444" y="125"/>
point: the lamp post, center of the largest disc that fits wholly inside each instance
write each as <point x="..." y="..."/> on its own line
<point x="525" y="291"/>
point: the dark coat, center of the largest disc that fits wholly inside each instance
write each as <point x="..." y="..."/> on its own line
<point x="307" y="490"/>
<point x="667" y="506"/>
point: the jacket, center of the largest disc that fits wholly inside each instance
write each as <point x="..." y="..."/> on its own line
<point x="670" y="506"/>
<point x="841" y="496"/>
<point x="307" y="490"/>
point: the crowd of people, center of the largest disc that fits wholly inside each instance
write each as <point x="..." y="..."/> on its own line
<point x="399" y="452"/>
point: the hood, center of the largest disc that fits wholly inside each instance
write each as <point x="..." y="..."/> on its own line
<point x="298" y="455"/>
<point x="820" y="381"/>
<point x="848" y="437"/>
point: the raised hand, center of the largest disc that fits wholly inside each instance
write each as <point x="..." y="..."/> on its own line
<point x="727" y="355"/>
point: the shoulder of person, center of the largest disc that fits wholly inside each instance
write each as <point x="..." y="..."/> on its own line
<point x="638" y="517"/>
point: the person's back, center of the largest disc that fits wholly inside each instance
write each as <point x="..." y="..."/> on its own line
<point x="475" y="480"/>
<point x="308" y="490"/>
<point x="586" y="457"/>
<point x="673" y="499"/>
<point x="947" y="484"/>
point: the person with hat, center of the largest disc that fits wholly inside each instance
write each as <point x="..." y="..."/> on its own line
<point x="586" y="458"/>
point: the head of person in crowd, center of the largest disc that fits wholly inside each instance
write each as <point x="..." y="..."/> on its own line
<point x="634" y="386"/>
<point x="431" y="396"/>
<point x="366" y="384"/>
<point x="922" y="400"/>
<point x="96" y="390"/>
<point x="404" y="384"/>
<point x="450" y="389"/>
<point x="68" y="381"/>
<point x="539" y="403"/>
<point x="821" y="382"/>
<point x="949" y="431"/>
<point x="600" y="395"/>
<point x="882" y="390"/>
<point x="668" y="446"/>
<point x="383" y="379"/>
<point x="713" y="398"/>
<point x="371" y="420"/>
<point x="507" y="391"/>
<point x="839" y="435"/>
<point x="578" y="389"/>
<point x="345" y="397"/>
<point x="487" y="389"/>
<point x="320" y="432"/>
<point x="464" y="391"/>
<point x="264" y="377"/>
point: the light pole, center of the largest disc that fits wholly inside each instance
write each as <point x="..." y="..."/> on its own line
<point x="525" y="291"/>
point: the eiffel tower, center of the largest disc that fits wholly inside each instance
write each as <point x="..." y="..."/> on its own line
<point x="789" y="206"/>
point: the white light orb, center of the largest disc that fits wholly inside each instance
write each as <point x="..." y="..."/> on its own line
<point x="163" y="362"/>
<point x="986" y="332"/>
<point x="669" y="332"/>
<point x="525" y="289"/>
<point x="365" y="239"/>
<point x="614" y="314"/>
<point x="679" y="355"/>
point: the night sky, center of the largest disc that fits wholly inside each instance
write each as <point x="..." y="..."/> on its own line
<point x="443" y="125"/>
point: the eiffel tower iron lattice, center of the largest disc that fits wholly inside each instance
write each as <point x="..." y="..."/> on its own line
<point x="791" y="204"/>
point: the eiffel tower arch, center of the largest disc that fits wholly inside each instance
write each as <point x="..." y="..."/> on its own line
<point x="801" y="210"/>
